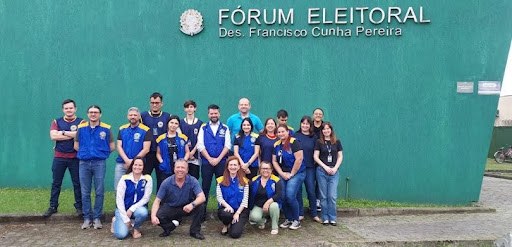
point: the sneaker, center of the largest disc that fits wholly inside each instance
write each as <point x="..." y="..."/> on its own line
<point x="50" y="211"/>
<point x="112" y="225"/>
<point x="97" y="224"/>
<point x="175" y="223"/>
<point x="325" y="223"/>
<point x="295" y="225"/>
<point x="318" y="206"/>
<point x="301" y="217"/>
<point x="252" y="222"/>
<point x="274" y="231"/>
<point x="286" y="224"/>
<point x="333" y="223"/>
<point x="262" y="225"/>
<point x="86" y="224"/>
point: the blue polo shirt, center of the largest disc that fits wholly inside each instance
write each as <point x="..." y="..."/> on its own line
<point x="93" y="143"/>
<point x="235" y="121"/>
<point x="175" y="196"/>
<point x="132" y="139"/>
<point x="246" y="146"/>
<point x="307" y="142"/>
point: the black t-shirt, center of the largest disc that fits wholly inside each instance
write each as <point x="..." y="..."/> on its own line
<point x="261" y="196"/>
<point x="327" y="148"/>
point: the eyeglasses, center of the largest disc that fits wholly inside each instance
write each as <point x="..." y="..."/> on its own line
<point x="94" y="112"/>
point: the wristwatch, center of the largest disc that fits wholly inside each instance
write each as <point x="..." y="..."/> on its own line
<point x="193" y="204"/>
<point x="63" y="132"/>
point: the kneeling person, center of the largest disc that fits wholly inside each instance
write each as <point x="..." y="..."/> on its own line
<point x="180" y="195"/>
<point x="133" y="193"/>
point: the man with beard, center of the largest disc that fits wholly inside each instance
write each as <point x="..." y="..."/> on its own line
<point x="156" y="120"/>
<point x="133" y="140"/>
<point x="213" y="142"/>
<point x="234" y="122"/>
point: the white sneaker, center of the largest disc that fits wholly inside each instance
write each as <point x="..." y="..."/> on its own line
<point x="112" y="225"/>
<point x="175" y="222"/>
<point x="97" y="224"/>
<point x="86" y="224"/>
<point x="295" y="225"/>
<point x="285" y="224"/>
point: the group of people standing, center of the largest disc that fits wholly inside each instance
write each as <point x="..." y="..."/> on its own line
<point x="259" y="167"/>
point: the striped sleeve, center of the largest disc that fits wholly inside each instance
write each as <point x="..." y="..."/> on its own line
<point x="220" y="199"/>
<point x="245" y="200"/>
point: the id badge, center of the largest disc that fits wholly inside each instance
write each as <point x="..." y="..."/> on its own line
<point x="155" y="131"/>
<point x="329" y="158"/>
<point x="174" y="157"/>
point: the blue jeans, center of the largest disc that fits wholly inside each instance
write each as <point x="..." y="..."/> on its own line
<point x="89" y="170"/>
<point x="59" y="167"/>
<point x="328" y="186"/>
<point x="119" y="171"/>
<point x="310" y="183"/>
<point x="290" y="189"/>
<point x="121" y="230"/>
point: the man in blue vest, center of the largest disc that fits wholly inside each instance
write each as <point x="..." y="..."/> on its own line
<point x="156" y="120"/>
<point x="213" y="142"/>
<point x="133" y="141"/>
<point x="94" y="144"/>
<point x="63" y="131"/>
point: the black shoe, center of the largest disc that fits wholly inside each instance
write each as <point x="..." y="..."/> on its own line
<point x="49" y="212"/>
<point x="79" y="212"/>
<point x="165" y="234"/>
<point x="197" y="236"/>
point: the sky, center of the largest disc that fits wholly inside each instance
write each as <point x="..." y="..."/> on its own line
<point x="506" y="85"/>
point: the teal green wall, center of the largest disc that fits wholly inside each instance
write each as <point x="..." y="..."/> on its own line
<point x="408" y="135"/>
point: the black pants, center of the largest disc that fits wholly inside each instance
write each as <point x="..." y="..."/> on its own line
<point x="167" y="214"/>
<point x="207" y="171"/>
<point x="235" y="230"/>
<point x="152" y="163"/>
<point x="193" y="170"/>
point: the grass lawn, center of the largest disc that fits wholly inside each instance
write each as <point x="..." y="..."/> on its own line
<point x="36" y="201"/>
<point x="493" y="166"/>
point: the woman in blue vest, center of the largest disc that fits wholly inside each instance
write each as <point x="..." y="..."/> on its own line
<point x="328" y="155"/>
<point x="307" y="139"/>
<point x="246" y="149"/>
<point x="287" y="161"/>
<point x="233" y="198"/>
<point x="171" y="146"/>
<point x="266" y="140"/>
<point x="265" y="195"/>
<point x="133" y="193"/>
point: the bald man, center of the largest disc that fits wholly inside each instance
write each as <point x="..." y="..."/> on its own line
<point x="234" y="122"/>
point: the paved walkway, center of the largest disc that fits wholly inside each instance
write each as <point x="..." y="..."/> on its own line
<point x="442" y="229"/>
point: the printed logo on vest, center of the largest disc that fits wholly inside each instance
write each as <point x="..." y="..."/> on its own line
<point x="103" y="134"/>
<point x="136" y="137"/>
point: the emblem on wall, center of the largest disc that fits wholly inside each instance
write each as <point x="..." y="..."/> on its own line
<point x="191" y="22"/>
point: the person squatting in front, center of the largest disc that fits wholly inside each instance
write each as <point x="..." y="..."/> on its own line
<point x="179" y="195"/>
<point x="265" y="196"/>
<point x="233" y="197"/>
<point x="132" y="196"/>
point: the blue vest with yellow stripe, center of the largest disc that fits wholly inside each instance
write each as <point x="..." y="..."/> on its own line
<point x="132" y="139"/>
<point x="246" y="149"/>
<point x="234" y="193"/>
<point x="214" y="144"/>
<point x="134" y="191"/>
<point x="270" y="188"/>
<point x="93" y="143"/>
<point x="167" y="166"/>
<point x="286" y="158"/>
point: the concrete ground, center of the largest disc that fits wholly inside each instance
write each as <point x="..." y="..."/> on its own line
<point x="466" y="229"/>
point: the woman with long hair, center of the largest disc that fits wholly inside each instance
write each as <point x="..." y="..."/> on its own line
<point x="307" y="139"/>
<point x="132" y="196"/>
<point x="233" y="198"/>
<point x="288" y="162"/>
<point x="267" y="139"/>
<point x="246" y="149"/>
<point x="328" y="155"/>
